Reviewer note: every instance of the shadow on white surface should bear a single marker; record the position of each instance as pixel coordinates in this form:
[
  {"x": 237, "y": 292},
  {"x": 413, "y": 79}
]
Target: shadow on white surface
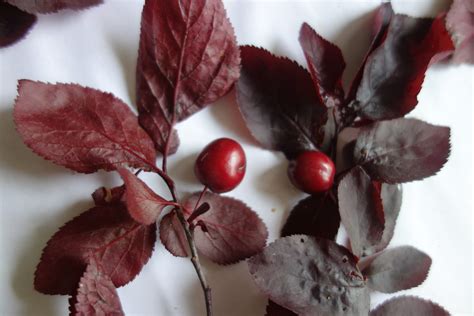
[{"x": 227, "y": 114}]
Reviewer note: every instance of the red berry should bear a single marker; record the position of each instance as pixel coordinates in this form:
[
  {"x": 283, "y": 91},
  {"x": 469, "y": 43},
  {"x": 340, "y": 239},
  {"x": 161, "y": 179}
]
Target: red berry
[
  {"x": 312, "y": 172},
  {"x": 221, "y": 165}
]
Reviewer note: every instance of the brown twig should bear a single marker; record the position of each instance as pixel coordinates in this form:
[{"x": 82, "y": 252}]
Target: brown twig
[{"x": 187, "y": 230}]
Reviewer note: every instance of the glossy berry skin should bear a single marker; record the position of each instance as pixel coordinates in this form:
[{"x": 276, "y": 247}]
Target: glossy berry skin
[
  {"x": 221, "y": 165},
  {"x": 312, "y": 172}
]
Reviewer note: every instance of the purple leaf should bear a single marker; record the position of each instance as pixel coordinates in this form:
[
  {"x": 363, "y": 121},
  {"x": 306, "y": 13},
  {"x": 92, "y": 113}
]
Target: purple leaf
[
  {"x": 273, "y": 309},
  {"x": 234, "y": 231},
  {"x": 14, "y": 24},
  {"x": 311, "y": 276},
  {"x": 397, "y": 269},
  {"x": 382, "y": 19},
  {"x": 279, "y": 104},
  {"x": 316, "y": 215},
  {"x": 172, "y": 235},
  {"x": 402, "y": 150},
  {"x": 96, "y": 294},
  {"x": 361, "y": 209},
  {"x": 120, "y": 245},
  {"x": 144, "y": 205},
  {"x": 391, "y": 195},
  {"x": 326, "y": 65},
  {"x": 459, "y": 22},
  {"x": 80, "y": 128},
  {"x": 409, "y": 306},
  {"x": 49, "y": 6},
  {"x": 395, "y": 71},
  {"x": 188, "y": 58}
]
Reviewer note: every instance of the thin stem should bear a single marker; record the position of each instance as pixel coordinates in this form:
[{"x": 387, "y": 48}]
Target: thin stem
[
  {"x": 188, "y": 232},
  {"x": 196, "y": 263}
]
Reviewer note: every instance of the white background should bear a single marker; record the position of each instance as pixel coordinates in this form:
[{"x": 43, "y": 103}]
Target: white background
[{"x": 98, "y": 48}]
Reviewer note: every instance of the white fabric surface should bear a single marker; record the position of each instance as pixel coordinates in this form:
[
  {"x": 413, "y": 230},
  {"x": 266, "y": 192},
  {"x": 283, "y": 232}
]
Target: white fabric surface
[{"x": 98, "y": 48}]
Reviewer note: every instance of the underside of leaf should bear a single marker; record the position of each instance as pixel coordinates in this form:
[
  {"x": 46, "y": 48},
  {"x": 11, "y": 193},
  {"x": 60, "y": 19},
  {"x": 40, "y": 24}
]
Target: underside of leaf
[{"x": 80, "y": 128}]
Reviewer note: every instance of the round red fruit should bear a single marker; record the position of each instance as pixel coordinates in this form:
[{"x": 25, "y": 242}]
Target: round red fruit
[
  {"x": 221, "y": 165},
  {"x": 312, "y": 172}
]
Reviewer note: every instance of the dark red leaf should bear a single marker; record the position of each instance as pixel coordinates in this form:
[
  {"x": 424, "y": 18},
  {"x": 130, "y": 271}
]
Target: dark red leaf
[
  {"x": 361, "y": 209},
  {"x": 395, "y": 71},
  {"x": 120, "y": 245},
  {"x": 273, "y": 309},
  {"x": 14, "y": 24},
  {"x": 459, "y": 22},
  {"x": 104, "y": 196},
  {"x": 188, "y": 57},
  {"x": 316, "y": 215},
  {"x": 234, "y": 230},
  {"x": 409, "y": 306},
  {"x": 96, "y": 294},
  {"x": 382, "y": 19},
  {"x": 397, "y": 269},
  {"x": 279, "y": 103},
  {"x": 172, "y": 235},
  {"x": 143, "y": 204},
  {"x": 311, "y": 276},
  {"x": 48, "y": 6},
  {"x": 326, "y": 65},
  {"x": 80, "y": 128},
  {"x": 402, "y": 150}
]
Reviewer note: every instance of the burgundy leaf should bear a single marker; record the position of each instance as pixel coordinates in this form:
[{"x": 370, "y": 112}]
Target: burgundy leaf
[
  {"x": 273, "y": 309},
  {"x": 172, "y": 235},
  {"x": 80, "y": 128},
  {"x": 326, "y": 65},
  {"x": 402, "y": 150},
  {"x": 234, "y": 231},
  {"x": 96, "y": 294},
  {"x": 361, "y": 209},
  {"x": 409, "y": 306},
  {"x": 103, "y": 196},
  {"x": 459, "y": 22},
  {"x": 397, "y": 269},
  {"x": 143, "y": 204},
  {"x": 395, "y": 71},
  {"x": 311, "y": 276},
  {"x": 188, "y": 58},
  {"x": 120, "y": 245},
  {"x": 279, "y": 103},
  {"x": 316, "y": 215},
  {"x": 14, "y": 24},
  {"x": 49, "y": 6},
  {"x": 382, "y": 19}
]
